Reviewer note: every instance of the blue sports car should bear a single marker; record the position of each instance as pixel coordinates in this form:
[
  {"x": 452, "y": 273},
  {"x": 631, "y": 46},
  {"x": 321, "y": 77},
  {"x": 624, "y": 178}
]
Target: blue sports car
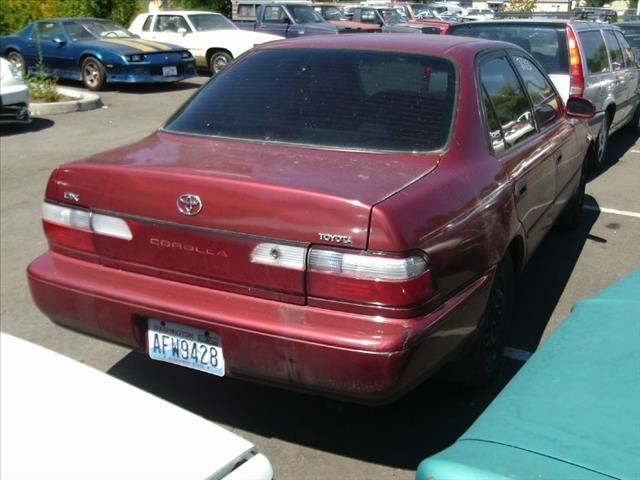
[{"x": 95, "y": 51}]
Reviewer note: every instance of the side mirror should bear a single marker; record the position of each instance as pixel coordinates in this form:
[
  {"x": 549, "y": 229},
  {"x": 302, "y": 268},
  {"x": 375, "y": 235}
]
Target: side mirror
[
  {"x": 182, "y": 31},
  {"x": 580, "y": 108},
  {"x": 286, "y": 21},
  {"x": 59, "y": 41}
]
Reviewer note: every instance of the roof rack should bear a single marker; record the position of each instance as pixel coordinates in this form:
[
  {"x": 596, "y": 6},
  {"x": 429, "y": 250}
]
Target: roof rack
[{"x": 590, "y": 14}]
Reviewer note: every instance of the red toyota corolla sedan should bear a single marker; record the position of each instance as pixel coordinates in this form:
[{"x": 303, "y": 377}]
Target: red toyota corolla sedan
[{"x": 340, "y": 215}]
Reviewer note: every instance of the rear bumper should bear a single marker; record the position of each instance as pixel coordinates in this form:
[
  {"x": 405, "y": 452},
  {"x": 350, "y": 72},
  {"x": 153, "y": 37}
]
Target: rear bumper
[{"x": 358, "y": 357}]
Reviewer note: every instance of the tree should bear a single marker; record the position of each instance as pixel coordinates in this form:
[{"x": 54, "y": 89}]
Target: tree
[
  {"x": 222, "y": 6},
  {"x": 521, "y": 5}
]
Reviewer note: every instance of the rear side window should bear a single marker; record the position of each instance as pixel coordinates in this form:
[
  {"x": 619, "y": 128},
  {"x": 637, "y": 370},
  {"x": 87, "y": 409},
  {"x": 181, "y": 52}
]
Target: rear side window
[
  {"x": 147, "y": 24},
  {"x": 615, "y": 52},
  {"x": 332, "y": 98},
  {"x": 545, "y": 102},
  {"x": 508, "y": 101},
  {"x": 547, "y": 44},
  {"x": 594, "y": 51}
]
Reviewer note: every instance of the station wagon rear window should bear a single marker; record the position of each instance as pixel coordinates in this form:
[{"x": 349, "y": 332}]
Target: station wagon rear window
[
  {"x": 329, "y": 98},
  {"x": 547, "y": 44}
]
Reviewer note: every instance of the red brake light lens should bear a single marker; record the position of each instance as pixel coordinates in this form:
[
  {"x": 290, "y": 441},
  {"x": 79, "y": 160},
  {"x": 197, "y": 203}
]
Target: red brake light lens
[
  {"x": 372, "y": 278},
  {"x": 576, "y": 82}
]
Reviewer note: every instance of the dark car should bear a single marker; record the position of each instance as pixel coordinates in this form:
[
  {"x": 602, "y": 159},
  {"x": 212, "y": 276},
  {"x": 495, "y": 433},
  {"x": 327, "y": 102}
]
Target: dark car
[
  {"x": 571, "y": 412},
  {"x": 345, "y": 241},
  {"x": 584, "y": 59},
  {"x": 631, "y": 32},
  {"x": 95, "y": 51}
]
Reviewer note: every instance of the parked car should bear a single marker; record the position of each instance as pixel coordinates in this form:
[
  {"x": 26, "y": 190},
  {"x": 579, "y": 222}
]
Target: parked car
[
  {"x": 210, "y": 37},
  {"x": 95, "y": 51},
  {"x": 94, "y": 426},
  {"x": 584, "y": 59},
  {"x": 14, "y": 95},
  {"x": 346, "y": 241},
  {"x": 389, "y": 19},
  {"x": 288, "y": 19},
  {"x": 333, "y": 14},
  {"x": 571, "y": 411},
  {"x": 422, "y": 14}
]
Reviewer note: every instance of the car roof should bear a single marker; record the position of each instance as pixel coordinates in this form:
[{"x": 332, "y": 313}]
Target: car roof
[
  {"x": 66, "y": 19},
  {"x": 401, "y": 42},
  {"x": 577, "y": 24},
  {"x": 577, "y": 399}
]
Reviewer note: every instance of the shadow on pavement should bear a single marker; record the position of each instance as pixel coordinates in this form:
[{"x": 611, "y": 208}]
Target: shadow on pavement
[
  {"x": 35, "y": 125},
  {"x": 619, "y": 144},
  {"x": 137, "y": 88},
  {"x": 399, "y": 435}
]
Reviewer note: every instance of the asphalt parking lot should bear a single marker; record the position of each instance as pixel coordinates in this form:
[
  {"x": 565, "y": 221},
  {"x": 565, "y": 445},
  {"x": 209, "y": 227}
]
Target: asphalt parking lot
[{"x": 304, "y": 436}]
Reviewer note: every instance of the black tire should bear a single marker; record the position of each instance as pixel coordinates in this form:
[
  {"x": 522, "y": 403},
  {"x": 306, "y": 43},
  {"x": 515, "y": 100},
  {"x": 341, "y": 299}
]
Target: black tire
[
  {"x": 93, "y": 73},
  {"x": 219, "y": 61},
  {"x": 481, "y": 363},
  {"x": 17, "y": 60},
  {"x": 572, "y": 214},
  {"x": 634, "y": 125},
  {"x": 601, "y": 145}
]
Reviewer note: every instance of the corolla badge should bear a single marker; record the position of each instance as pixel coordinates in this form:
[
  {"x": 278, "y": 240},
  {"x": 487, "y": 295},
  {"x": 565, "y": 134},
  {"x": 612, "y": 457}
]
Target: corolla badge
[{"x": 189, "y": 204}]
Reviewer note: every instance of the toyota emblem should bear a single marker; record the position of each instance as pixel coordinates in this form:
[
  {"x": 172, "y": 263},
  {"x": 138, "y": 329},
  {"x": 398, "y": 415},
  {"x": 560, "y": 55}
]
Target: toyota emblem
[{"x": 189, "y": 204}]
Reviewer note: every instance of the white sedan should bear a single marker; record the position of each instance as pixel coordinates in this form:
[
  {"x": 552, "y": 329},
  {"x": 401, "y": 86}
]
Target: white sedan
[
  {"x": 62, "y": 419},
  {"x": 210, "y": 37},
  {"x": 14, "y": 95}
]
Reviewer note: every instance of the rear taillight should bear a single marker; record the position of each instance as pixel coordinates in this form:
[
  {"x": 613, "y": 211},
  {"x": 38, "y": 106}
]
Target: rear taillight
[
  {"x": 74, "y": 227},
  {"x": 576, "y": 77},
  {"x": 371, "y": 278}
]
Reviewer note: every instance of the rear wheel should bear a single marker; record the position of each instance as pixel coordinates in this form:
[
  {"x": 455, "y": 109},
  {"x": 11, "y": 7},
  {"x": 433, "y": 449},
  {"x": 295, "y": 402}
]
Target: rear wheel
[
  {"x": 481, "y": 364},
  {"x": 601, "y": 144},
  {"x": 17, "y": 60},
  {"x": 218, "y": 62},
  {"x": 572, "y": 214},
  {"x": 93, "y": 73}
]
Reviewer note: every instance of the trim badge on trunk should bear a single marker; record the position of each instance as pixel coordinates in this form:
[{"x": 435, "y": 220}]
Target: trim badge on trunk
[{"x": 189, "y": 204}]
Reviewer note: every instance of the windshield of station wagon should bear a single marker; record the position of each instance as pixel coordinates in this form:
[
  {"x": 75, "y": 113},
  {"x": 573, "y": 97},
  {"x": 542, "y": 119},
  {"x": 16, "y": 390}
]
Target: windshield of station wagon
[{"x": 331, "y": 98}]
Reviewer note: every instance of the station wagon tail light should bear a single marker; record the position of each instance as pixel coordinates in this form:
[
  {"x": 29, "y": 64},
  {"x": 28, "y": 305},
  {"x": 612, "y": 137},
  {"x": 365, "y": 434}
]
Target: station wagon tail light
[
  {"x": 74, "y": 227},
  {"x": 576, "y": 82},
  {"x": 373, "y": 278}
]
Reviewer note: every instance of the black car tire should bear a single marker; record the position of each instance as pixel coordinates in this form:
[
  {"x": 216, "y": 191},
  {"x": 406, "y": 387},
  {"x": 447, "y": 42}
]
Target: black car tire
[
  {"x": 218, "y": 62},
  {"x": 17, "y": 60},
  {"x": 572, "y": 214},
  {"x": 601, "y": 146},
  {"x": 480, "y": 365},
  {"x": 93, "y": 73}
]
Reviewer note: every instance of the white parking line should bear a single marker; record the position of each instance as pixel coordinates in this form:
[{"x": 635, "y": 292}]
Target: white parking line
[
  {"x": 516, "y": 354},
  {"x": 612, "y": 210}
]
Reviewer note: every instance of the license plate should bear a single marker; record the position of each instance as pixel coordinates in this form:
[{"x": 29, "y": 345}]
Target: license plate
[
  {"x": 169, "y": 71},
  {"x": 186, "y": 346}
]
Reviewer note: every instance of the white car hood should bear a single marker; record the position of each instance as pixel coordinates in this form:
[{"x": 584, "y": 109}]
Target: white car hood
[{"x": 62, "y": 419}]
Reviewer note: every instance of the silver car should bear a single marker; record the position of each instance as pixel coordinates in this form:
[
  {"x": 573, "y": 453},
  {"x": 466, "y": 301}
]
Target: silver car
[{"x": 584, "y": 59}]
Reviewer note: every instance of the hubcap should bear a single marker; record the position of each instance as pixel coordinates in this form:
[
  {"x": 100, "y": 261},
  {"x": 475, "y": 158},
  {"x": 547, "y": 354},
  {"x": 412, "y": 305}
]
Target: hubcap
[
  {"x": 16, "y": 61},
  {"x": 91, "y": 74},
  {"x": 219, "y": 63}
]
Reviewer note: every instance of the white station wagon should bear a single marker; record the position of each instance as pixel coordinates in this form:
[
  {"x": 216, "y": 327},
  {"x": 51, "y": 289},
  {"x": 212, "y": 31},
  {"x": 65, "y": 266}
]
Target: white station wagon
[{"x": 210, "y": 37}]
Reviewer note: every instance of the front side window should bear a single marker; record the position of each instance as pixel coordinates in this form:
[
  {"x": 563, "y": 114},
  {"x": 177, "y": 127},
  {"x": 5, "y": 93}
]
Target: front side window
[
  {"x": 386, "y": 101},
  {"x": 615, "y": 52},
  {"x": 368, "y": 16},
  {"x": 170, "y": 23},
  {"x": 509, "y": 101},
  {"x": 546, "y": 107},
  {"x": 629, "y": 57},
  {"x": 594, "y": 51},
  {"x": 275, "y": 15}
]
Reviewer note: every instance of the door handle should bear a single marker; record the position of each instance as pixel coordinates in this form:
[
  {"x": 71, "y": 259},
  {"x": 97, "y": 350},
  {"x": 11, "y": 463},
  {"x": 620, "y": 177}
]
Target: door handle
[
  {"x": 521, "y": 188},
  {"x": 558, "y": 158}
]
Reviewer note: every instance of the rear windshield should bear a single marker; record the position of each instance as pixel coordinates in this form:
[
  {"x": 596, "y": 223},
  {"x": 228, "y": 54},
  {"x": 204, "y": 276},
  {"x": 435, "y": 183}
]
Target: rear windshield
[
  {"x": 330, "y": 98},
  {"x": 548, "y": 44}
]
